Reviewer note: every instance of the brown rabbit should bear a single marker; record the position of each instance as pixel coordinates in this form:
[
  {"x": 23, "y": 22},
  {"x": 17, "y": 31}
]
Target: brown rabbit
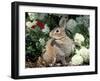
[
  {"x": 63, "y": 44},
  {"x": 59, "y": 46}
]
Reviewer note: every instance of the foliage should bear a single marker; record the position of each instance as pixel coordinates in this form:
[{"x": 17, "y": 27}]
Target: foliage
[{"x": 33, "y": 45}]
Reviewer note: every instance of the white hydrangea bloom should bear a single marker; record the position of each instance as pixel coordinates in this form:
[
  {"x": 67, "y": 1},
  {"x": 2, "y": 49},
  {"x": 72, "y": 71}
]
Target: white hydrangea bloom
[
  {"x": 78, "y": 38},
  {"x": 76, "y": 60},
  {"x": 46, "y": 29},
  {"x": 33, "y": 16},
  {"x": 42, "y": 41},
  {"x": 28, "y": 24},
  {"x": 71, "y": 24},
  {"x": 84, "y": 52}
]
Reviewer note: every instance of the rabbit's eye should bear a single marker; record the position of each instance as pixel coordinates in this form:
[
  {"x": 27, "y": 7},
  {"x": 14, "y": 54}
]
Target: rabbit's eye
[{"x": 57, "y": 31}]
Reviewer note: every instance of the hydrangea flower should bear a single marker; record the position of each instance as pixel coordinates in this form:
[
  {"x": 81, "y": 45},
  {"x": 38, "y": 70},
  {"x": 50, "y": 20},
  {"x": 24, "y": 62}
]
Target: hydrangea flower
[
  {"x": 46, "y": 29},
  {"x": 29, "y": 24},
  {"x": 79, "y": 38},
  {"x": 84, "y": 52},
  {"x": 42, "y": 41},
  {"x": 76, "y": 60}
]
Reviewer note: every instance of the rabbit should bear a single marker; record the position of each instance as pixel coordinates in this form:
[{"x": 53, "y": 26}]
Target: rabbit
[
  {"x": 59, "y": 46},
  {"x": 63, "y": 45}
]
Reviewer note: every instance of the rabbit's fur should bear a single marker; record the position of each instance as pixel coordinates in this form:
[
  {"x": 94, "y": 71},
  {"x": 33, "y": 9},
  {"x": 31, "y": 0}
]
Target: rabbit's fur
[
  {"x": 48, "y": 58},
  {"x": 63, "y": 44}
]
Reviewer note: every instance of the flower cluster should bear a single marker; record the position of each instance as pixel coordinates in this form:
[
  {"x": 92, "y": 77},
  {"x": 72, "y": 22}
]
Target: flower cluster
[
  {"x": 84, "y": 52},
  {"x": 35, "y": 22},
  {"x": 82, "y": 55},
  {"x": 78, "y": 38},
  {"x": 76, "y": 60}
]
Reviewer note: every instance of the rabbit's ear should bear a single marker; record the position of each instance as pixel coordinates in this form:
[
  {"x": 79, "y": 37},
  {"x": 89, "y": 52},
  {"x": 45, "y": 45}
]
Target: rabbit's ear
[{"x": 63, "y": 21}]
